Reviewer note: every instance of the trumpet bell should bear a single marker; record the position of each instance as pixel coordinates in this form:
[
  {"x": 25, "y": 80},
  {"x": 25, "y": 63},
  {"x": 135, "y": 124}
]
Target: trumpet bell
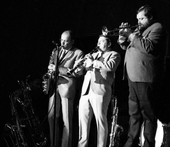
[{"x": 107, "y": 32}]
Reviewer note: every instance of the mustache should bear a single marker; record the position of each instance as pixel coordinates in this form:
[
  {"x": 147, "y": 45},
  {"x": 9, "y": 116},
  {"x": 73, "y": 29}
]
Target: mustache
[{"x": 140, "y": 25}]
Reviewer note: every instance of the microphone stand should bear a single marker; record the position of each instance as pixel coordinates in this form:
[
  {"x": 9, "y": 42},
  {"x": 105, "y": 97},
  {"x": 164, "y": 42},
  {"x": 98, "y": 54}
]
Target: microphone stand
[{"x": 55, "y": 97}]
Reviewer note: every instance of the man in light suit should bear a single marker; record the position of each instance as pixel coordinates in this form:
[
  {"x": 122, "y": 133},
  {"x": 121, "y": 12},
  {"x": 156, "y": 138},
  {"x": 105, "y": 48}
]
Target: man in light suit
[
  {"x": 62, "y": 60},
  {"x": 97, "y": 91},
  {"x": 144, "y": 61}
]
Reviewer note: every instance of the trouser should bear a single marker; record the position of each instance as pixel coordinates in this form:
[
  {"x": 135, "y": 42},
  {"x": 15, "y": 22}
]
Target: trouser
[
  {"x": 66, "y": 105},
  {"x": 88, "y": 105},
  {"x": 142, "y": 100}
]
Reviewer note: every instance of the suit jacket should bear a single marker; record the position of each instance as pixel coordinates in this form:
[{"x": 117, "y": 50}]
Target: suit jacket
[
  {"x": 144, "y": 58},
  {"x": 66, "y": 59},
  {"x": 100, "y": 78}
]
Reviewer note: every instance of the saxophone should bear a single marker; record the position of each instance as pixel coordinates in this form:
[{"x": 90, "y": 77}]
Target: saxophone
[
  {"x": 26, "y": 131},
  {"x": 16, "y": 130},
  {"x": 32, "y": 122},
  {"x": 116, "y": 130},
  {"x": 48, "y": 78}
]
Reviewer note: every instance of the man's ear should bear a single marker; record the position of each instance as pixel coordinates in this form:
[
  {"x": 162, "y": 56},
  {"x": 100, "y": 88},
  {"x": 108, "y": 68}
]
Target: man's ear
[{"x": 109, "y": 45}]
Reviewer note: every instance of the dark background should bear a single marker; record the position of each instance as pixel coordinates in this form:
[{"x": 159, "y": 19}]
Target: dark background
[{"x": 27, "y": 28}]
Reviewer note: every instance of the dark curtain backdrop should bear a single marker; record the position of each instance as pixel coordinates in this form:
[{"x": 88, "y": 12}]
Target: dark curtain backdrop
[{"x": 27, "y": 28}]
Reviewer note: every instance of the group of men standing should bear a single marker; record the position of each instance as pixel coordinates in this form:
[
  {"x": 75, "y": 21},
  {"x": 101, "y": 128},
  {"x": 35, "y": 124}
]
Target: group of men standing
[{"x": 144, "y": 68}]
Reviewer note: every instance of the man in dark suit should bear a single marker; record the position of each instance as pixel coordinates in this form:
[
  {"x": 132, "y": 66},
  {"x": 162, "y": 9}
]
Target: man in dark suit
[
  {"x": 62, "y": 60},
  {"x": 144, "y": 61}
]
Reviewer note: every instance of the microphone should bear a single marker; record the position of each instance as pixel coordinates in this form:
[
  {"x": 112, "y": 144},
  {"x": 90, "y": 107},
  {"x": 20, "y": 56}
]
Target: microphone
[
  {"x": 54, "y": 42},
  {"x": 57, "y": 45}
]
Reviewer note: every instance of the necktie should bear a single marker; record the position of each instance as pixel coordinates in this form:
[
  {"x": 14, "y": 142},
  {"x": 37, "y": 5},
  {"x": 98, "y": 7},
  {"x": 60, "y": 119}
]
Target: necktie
[{"x": 99, "y": 54}]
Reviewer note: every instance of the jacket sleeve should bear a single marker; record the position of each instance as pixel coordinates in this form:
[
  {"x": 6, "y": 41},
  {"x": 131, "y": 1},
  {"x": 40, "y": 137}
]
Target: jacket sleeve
[
  {"x": 78, "y": 69},
  {"x": 108, "y": 64}
]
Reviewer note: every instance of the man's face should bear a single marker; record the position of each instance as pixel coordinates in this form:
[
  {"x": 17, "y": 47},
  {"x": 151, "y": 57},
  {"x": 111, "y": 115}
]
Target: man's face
[
  {"x": 143, "y": 21},
  {"x": 102, "y": 43},
  {"x": 66, "y": 41}
]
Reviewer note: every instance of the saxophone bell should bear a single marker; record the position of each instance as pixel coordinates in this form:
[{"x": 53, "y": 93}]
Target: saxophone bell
[{"x": 116, "y": 130}]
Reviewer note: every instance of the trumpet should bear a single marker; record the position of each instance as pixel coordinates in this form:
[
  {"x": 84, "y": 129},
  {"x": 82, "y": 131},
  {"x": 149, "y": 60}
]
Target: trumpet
[{"x": 116, "y": 31}]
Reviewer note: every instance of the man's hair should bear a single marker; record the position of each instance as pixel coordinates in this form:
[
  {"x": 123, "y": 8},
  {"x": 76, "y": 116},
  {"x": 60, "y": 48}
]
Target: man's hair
[
  {"x": 71, "y": 33},
  {"x": 107, "y": 37},
  {"x": 149, "y": 11}
]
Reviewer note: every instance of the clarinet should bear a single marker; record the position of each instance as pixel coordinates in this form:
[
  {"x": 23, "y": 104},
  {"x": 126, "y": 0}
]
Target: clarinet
[
  {"x": 116, "y": 130},
  {"x": 80, "y": 64}
]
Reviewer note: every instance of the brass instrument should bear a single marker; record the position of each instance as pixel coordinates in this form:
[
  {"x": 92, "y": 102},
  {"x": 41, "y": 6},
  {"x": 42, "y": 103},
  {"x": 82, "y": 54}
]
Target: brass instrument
[
  {"x": 48, "y": 78},
  {"x": 166, "y": 129},
  {"x": 116, "y": 130},
  {"x": 17, "y": 129},
  {"x": 25, "y": 131},
  {"x": 116, "y": 31},
  {"x": 32, "y": 122}
]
